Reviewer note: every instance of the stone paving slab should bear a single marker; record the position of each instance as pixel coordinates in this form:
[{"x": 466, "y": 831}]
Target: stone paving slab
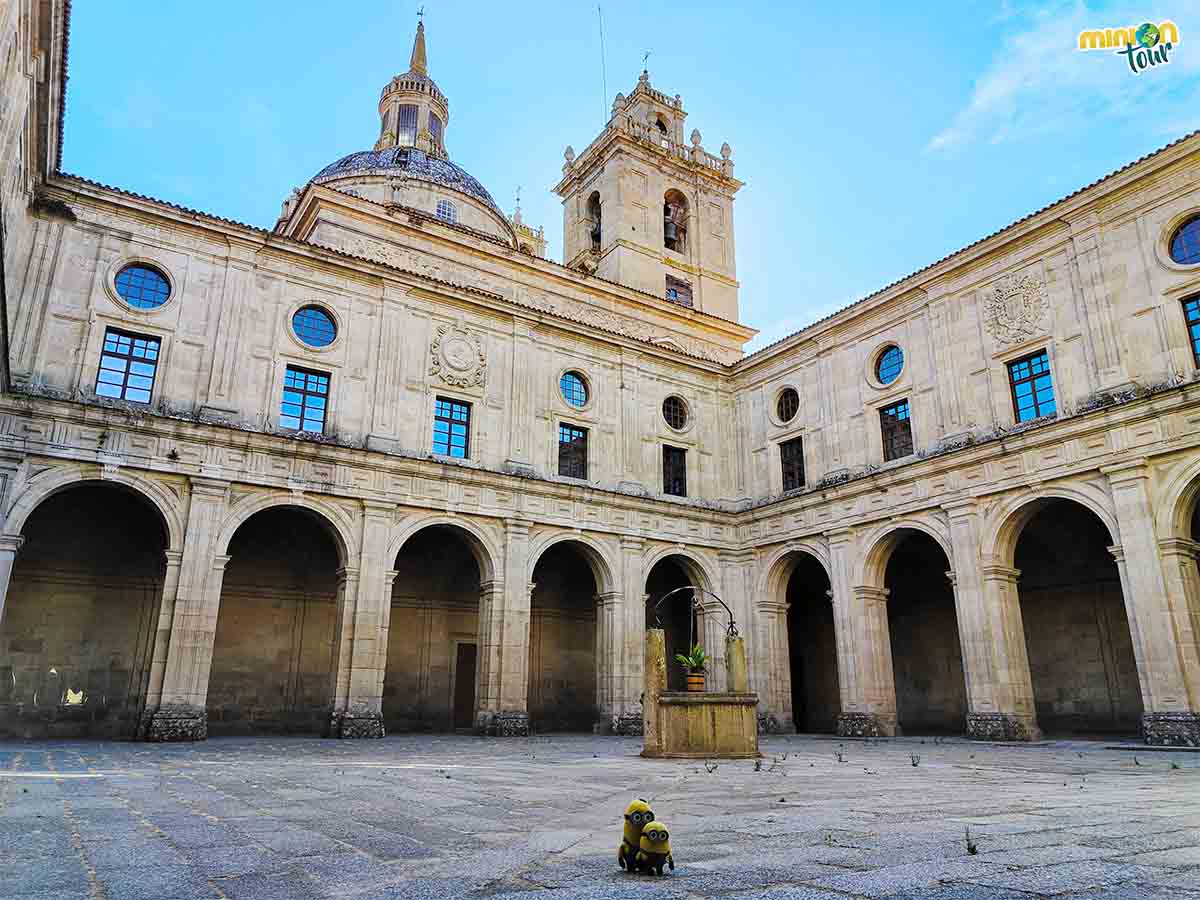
[{"x": 433, "y": 817}]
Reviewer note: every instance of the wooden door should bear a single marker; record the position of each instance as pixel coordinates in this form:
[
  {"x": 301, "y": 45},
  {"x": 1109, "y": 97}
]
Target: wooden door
[{"x": 464, "y": 686}]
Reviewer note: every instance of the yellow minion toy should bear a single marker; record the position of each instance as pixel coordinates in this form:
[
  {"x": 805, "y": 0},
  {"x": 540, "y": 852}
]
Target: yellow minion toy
[
  {"x": 655, "y": 849},
  {"x": 637, "y": 815}
]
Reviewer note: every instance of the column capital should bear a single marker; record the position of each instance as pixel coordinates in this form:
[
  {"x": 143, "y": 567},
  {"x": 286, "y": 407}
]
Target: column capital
[
  {"x": 347, "y": 573},
  {"x": 631, "y": 542},
  {"x": 967, "y": 506},
  {"x": 11, "y": 542},
  {"x": 490, "y": 587},
  {"x": 870, "y": 593},
  {"x": 378, "y": 508},
  {"x": 608, "y": 599},
  {"x": 771, "y": 607},
  {"x": 995, "y": 572},
  {"x": 517, "y": 527},
  {"x": 1118, "y": 553},
  {"x": 205, "y": 486},
  {"x": 736, "y": 557},
  {"x": 952, "y": 578},
  {"x": 840, "y": 536},
  {"x": 219, "y": 562},
  {"x": 1130, "y": 470},
  {"x": 389, "y": 578},
  {"x": 173, "y": 557},
  {"x": 1179, "y": 547}
]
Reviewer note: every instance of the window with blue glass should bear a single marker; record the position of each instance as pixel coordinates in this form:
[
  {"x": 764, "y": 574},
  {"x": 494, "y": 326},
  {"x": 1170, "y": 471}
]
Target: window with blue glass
[
  {"x": 1191, "y": 311},
  {"x": 452, "y": 428},
  {"x": 143, "y": 287},
  {"x": 574, "y": 389},
  {"x": 889, "y": 364},
  {"x": 127, "y": 366},
  {"x": 305, "y": 400},
  {"x": 314, "y": 326},
  {"x": 1185, "y": 242},
  {"x": 1032, "y": 387},
  {"x": 895, "y": 425}
]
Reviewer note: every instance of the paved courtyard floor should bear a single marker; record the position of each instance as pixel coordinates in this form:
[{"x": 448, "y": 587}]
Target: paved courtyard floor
[{"x": 538, "y": 819}]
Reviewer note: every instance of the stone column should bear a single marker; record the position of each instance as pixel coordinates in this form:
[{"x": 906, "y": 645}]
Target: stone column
[
  {"x": 772, "y": 672},
  {"x": 1180, "y": 558},
  {"x": 181, "y": 714},
  {"x": 865, "y": 677},
  {"x": 9, "y": 545},
  {"x": 655, "y": 666},
  {"x": 628, "y": 652},
  {"x": 735, "y": 665},
  {"x": 1170, "y": 692},
  {"x": 990, "y": 715},
  {"x": 364, "y": 606},
  {"x": 737, "y": 572},
  {"x": 162, "y": 633},
  {"x": 608, "y": 659},
  {"x": 1013, "y": 680},
  {"x": 505, "y": 645}
]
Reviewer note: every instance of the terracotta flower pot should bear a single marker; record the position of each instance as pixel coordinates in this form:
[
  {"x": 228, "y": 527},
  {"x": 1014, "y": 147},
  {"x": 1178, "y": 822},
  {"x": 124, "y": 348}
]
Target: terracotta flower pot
[{"x": 696, "y": 682}]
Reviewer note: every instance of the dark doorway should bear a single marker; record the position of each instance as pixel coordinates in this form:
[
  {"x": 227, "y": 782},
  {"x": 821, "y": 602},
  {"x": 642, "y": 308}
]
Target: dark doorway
[
  {"x": 812, "y": 648},
  {"x": 678, "y": 618},
  {"x": 464, "y": 687},
  {"x": 1077, "y": 636},
  {"x": 931, "y": 692},
  {"x": 562, "y": 642}
]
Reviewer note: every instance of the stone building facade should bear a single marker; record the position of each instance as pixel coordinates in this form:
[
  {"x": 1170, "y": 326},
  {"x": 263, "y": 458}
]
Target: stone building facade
[{"x": 385, "y": 466}]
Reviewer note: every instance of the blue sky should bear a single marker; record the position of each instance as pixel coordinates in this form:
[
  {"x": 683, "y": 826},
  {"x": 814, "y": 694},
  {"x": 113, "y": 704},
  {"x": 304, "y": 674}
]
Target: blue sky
[{"x": 872, "y": 140}]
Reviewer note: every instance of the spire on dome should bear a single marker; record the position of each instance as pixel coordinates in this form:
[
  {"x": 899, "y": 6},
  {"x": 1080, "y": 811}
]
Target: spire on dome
[{"x": 418, "y": 63}]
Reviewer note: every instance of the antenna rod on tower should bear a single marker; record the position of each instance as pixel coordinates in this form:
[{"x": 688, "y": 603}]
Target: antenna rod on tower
[{"x": 603, "y": 67}]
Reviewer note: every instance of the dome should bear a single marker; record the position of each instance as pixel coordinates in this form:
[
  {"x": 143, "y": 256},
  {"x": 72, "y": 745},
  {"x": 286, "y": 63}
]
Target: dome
[{"x": 408, "y": 162}]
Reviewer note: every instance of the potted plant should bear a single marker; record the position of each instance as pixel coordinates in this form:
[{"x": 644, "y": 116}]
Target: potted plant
[{"x": 695, "y": 662}]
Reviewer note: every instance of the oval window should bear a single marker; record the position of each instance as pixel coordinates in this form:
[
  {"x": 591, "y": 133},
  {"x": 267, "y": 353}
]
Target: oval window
[
  {"x": 574, "y": 389},
  {"x": 143, "y": 287},
  {"x": 788, "y": 404},
  {"x": 314, "y": 326},
  {"x": 1185, "y": 242},
  {"x": 889, "y": 364},
  {"x": 675, "y": 412}
]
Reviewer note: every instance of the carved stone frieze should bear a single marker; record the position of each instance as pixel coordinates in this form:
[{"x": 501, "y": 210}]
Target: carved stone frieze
[{"x": 1015, "y": 308}]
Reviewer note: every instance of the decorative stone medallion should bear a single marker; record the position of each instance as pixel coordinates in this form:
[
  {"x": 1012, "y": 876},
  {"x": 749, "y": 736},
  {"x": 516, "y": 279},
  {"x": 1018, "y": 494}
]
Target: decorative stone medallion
[
  {"x": 1014, "y": 308},
  {"x": 458, "y": 358}
]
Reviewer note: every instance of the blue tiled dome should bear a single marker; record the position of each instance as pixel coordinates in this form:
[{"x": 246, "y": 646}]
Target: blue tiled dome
[{"x": 413, "y": 163}]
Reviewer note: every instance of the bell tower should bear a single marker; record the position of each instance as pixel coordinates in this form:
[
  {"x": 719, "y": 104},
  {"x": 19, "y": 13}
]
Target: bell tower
[{"x": 645, "y": 209}]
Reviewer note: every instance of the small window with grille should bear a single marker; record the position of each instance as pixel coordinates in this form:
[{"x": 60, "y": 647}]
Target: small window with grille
[
  {"x": 452, "y": 428},
  {"x": 435, "y": 131},
  {"x": 447, "y": 211},
  {"x": 1032, "y": 387},
  {"x": 674, "y": 471},
  {"x": 895, "y": 423},
  {"x": 406, "y": 125},
  {"x": 128, "y": 365},
  {"x": 787, "y": 405},
  {"x": 791, "y": 458},
  {"x": 305, "y": 400},
  {"x": 679, "y": 291},
  {"x": 572, "y": 451}
]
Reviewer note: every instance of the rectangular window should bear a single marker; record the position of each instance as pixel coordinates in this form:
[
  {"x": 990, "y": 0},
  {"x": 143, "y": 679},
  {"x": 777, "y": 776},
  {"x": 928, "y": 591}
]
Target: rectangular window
[
  {"x": 452, "y": 428},
  {"x": 127, "y": 366},
  {"x": 1191, "y": 309},
  {"x": 791, "y": 457},
  {"x": 1032, "y": 388},
  {"x": 679, "y": 291},
  {"x": 896, "y": 426},
  {"x": 674, "y": 471},
  {"x": 305, "y": 397},
  {"x": 406, "y": 125},
  {"x": 572, "y": 451},
  {"x": 435, "y": 130}
]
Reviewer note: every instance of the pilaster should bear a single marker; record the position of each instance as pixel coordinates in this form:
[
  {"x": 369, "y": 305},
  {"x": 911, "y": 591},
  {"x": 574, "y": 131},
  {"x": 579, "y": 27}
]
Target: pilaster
[
  {"x": 10, "y": 544},
  {"x": 628, "y": 652},
  {"x": 503, "y": 697}
]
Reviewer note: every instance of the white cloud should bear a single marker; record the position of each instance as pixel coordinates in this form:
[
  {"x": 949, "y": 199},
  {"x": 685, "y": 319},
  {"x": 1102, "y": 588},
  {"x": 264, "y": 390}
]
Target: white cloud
[{"x": 1038, "y": 82}]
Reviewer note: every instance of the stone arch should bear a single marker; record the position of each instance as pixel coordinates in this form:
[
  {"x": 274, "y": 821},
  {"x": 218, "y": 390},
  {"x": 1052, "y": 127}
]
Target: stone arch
[
  {"x": 1176, "y": 502},
  {"x": 335, "y": 519},
  {"x": 597, "y": 555},
  {"x": 53, "y": 481},
  {"x": 777, "y": 568},
  {"x": 1003, "y": 527},
  {"x": 881, "y": 543},
  {"x": 483, "y": 544},
  {"x": 695, "y": 564}
]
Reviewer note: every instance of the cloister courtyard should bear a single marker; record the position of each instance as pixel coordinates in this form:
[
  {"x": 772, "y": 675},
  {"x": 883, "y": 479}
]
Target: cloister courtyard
[{"x": 429, "y": 817}]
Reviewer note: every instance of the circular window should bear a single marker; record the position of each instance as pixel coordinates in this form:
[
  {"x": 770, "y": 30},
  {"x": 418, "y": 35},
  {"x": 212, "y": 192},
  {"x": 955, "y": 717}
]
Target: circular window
[
  {"x": 574, "y": 389},
  {"x": 143, "y": 287},
  {"x": 1185, "y": 242},
  {"x": 889, "y": 364},
  {"x": 787, "y": 405},
  {"x": 314, "y": 326},
  {"x": 675, "y": 412}
]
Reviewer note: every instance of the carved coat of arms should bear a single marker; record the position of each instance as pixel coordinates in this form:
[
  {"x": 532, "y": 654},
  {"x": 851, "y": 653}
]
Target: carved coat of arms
[
  {"x": 1014, "y": 308},
  {"x": 458, "y": 357}
]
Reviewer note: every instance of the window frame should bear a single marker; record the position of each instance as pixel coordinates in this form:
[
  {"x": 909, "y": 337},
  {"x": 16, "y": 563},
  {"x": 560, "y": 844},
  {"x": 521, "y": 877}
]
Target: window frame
[
  {"x": 889, "y": 414},
  {"x": 793, "y": 466},
  {"x": 1193, "y": 219},
  {"x": 573, "y": 452},
  {"x": 451, "y": 423},
  {"x": 452, "y": 218},
  {"x": 686, "y": 411},
  {"x": 577, "y": 375},
  {"x": 786, "y": 391},
  {"x": 327, "y": 313},
  {"x": 1031, "y": 379},
  {"x": 305, "y": 392},
  {"x": 1193, "y": 335},
  {"x": 676, "y": 457},
  {"x": 877, "y": 368},
  {"x": 130, "y": 360},
  {"x": 416, "y": 112}
]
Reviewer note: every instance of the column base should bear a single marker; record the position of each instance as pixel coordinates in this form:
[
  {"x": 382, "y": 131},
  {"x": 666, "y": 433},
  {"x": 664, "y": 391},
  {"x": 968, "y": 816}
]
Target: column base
[
  {"x": 629, "y": 724},
  {"x": 1168, "y": 729},
  {"x": 768, "y": 724},
  {"x": 503, "y": 724},
  {"x": 175, "y": 722},
  {"x": 1002, "y": 727},
  {"x": 356, "y": 725},
  {"x": 856, "y": 724}
]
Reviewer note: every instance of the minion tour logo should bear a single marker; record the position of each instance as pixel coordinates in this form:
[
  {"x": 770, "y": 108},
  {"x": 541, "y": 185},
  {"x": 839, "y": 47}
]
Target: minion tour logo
[{"x": 1143, "y": 46}]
